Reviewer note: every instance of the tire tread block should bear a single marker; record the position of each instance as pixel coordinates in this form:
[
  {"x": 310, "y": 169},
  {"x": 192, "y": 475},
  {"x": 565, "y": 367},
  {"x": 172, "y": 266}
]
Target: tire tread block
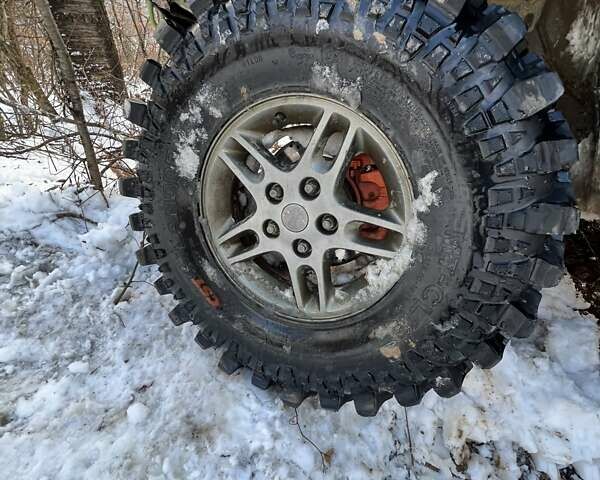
[
  {"x": 449, "y": 383},
  {"x": 367, "y": 404},
  {"x": 136, "y": 111},
  {"x": 229, "y": 362},
  {"x": 181, "y": 314},
  {"x": 488, "y": 353},
  {"x": 528, "y": 97},
  {"x": 148, "y": 255},
  {"x": 136, "y": 221},
  {"x": 408, "y": 395},
  {"x": 205, "y": 341},
  {"x": 503, "y": 36},
  {"x": 130, "y": 148},
  {"x": 167, "y": 37},
  {"x": 163, "y": 285},
  {"x": 260, "y": 380},
  {"x": 130, "y": 187}
]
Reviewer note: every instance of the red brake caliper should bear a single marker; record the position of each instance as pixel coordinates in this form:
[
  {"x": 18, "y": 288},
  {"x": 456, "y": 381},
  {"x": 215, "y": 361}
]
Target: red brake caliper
[{"x": 369, "y": 191}]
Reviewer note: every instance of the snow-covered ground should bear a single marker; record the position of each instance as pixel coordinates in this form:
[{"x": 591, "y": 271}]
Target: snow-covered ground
[{"x": 93, "y": 390}]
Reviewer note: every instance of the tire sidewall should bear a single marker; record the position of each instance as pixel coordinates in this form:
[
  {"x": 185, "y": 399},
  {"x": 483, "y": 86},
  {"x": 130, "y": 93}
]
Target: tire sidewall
[{"x": 283, "y": 61}]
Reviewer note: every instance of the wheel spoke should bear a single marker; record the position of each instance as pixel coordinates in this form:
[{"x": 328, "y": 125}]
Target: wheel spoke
[
  {"x": 298, "y": 280},
  {"x": 368, "y": 248},
  {"x": 341, "y": 160},
  {"x": 309, "y": 152},
  {"x": 379, "y": 219},
  {"x": 324, "y": 284},
  {"x": 249, "y": 253},
  {"x": 248, "y": 224},
  {"x": 249, "y": 180},
  {"x": 269, "y": 169}
]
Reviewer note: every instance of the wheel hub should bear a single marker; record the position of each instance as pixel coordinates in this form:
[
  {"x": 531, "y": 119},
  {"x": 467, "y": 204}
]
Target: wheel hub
[
  {"x": 297, "y": 232},
  {"x": 294, "y": 217}
]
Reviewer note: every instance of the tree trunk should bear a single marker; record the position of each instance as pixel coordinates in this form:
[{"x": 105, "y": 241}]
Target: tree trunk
[
  {"x": 88, "y": 37},
  {"x": 74, "y": 99}
]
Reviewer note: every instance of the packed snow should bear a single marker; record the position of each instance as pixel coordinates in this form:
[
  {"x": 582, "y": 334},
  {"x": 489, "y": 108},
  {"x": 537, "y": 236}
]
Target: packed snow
[
  {"x": 93, "y": 390},
  {"x": 382, "y": 274},
  {"x": 207, "y": 100},
  {"x": 322, "y": 25}
]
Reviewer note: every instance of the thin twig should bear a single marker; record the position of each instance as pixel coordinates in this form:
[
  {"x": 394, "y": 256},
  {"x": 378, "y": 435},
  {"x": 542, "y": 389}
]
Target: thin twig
[
  {"x": 97, "y": 191},
  {"x": 79, "y": 216},
  {"x": 127, "y": 284},
  {"x": 119, "y": 317},
  {"x": 115, "y": 165},
  {"x": 588, "y": 243},
  {"x": 432, "y": 467},
  {"x": 410, "y": 445},
  {"x": 295, "y": 420}
]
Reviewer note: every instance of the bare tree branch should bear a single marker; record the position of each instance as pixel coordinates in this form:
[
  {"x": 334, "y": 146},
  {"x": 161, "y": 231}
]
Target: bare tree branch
[
  {"x": 10, "y": 52},
  {"x": 62, "y": 119},
  {"x": 38, "y": 146}
]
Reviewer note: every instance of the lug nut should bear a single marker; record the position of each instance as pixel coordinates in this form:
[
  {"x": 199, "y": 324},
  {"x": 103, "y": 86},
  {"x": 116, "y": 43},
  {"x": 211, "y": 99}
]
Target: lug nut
[
  {"x": 302, "y": 248},
  {"x": 311, "y": 187},
  {"x": 275, "y": 192},
  {"x": 328, "y": 223},
  {"x": 271, "y": 229}
]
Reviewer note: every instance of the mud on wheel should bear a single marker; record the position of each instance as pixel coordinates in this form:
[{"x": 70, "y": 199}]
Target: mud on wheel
[{"x": 355, "y": 200}]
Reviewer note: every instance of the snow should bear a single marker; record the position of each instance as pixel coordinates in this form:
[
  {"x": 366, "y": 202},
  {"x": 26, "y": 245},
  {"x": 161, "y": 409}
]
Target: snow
[
  {"x": 137, "y": 413},
  {"x": 382, "y": 274},
  {"x": 93, "y": 390},
  {"x": 79, "y": 367},
  {"x": 187, "y": 161},
  {"x": 208, "y": 99},
  {"x": 327, "y": 78},
  {"x": 252, "y": 274},
  {"x": 322, "y": 25},
  {"x": 5, "y": 267},
  {"x": 584, "y": 37}
]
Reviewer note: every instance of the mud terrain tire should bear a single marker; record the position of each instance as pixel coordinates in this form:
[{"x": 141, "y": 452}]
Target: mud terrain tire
[{"x": 503, "y": 154}]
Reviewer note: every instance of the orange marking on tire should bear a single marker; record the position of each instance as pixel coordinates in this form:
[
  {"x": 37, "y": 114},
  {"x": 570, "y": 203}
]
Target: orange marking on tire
[{"x": 207, "y": 292}]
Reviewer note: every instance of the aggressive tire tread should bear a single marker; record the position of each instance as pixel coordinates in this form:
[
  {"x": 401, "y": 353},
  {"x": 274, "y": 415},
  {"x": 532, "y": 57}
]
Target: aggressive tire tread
[{"x": 473, "y": 58}]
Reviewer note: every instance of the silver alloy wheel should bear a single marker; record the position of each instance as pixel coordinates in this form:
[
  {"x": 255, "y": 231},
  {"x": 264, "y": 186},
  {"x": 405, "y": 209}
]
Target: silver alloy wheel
[{"x": 273, "y": 194}]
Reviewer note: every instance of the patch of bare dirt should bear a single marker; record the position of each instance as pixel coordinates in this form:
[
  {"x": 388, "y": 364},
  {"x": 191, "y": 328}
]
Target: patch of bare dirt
[{"x": 582, "y": 257}]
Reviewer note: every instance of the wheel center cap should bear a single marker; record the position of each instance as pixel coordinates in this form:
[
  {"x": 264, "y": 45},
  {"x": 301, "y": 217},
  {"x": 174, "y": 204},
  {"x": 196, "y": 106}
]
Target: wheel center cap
[{"x": 294, "y": 217}]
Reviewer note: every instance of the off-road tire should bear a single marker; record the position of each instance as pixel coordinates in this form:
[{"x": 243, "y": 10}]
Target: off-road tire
[{"x": 469, "y": 65}]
